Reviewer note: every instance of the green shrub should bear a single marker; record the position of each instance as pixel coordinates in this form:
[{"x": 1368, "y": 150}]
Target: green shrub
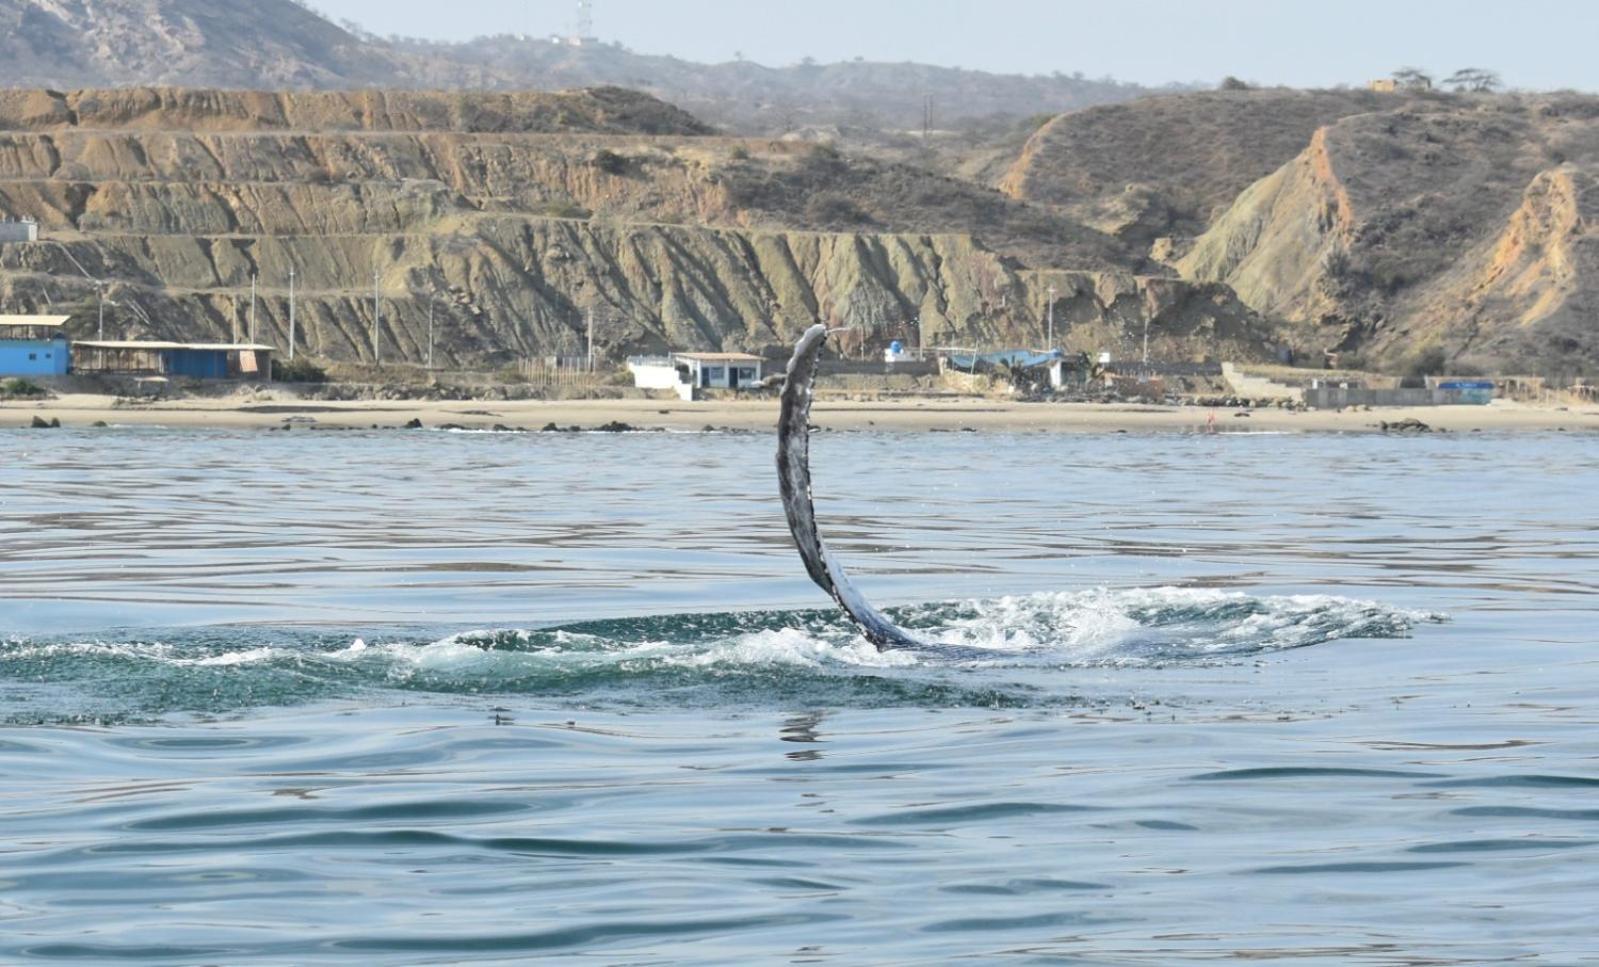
[
  {"x": 18, "y": 387},
  {"x": 609, "y": 162},
  {"x": 301, "y": 370},
  {"x": 1431, "y": 361},
  {"x": 563, "y": 209}
]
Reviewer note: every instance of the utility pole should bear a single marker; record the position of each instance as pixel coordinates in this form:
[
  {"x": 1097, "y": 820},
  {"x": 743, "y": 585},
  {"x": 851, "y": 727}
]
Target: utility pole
[
  {"x": 433, "y": 301},
  {"x": 1146, "y": 341},
  {"x": 99, "y": 290},
  {"x": 591, "y": 339},
  {"x": 377, "y": 322},
  {"x": 1051, "y": 336},
  {"x": 291, "y": 313},
  {"x": 252, "y": 308}
]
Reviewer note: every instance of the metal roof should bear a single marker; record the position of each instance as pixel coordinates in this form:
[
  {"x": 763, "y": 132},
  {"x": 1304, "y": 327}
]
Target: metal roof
[
  {"x": 53, "y": 322},
  {"x": 720, "y": 357},
  {"x": 200, "y": 346}
]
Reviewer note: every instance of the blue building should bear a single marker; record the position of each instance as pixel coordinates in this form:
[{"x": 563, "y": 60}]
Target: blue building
[{"x": 34, "y": 346}]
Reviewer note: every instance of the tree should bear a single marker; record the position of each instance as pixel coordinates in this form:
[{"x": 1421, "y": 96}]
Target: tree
[
  {"x": 1478, "y": 80},
  {"x": 1412, "y": 79},
  {"x": 1231, "y": 83}
]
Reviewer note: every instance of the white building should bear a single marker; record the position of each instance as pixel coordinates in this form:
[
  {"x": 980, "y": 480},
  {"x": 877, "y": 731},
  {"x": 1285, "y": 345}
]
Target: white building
[
  {"x": 720, "y": 370},
  {"x": 686, "y": 372},
  {"x": 25, "y": 230}
]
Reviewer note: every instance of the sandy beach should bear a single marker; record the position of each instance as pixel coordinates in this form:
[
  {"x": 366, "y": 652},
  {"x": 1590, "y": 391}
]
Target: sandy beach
[{"x": 278, "y": 410}]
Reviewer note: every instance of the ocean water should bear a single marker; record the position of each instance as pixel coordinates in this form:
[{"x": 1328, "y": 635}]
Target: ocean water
[{"x": 431, "y": 697}]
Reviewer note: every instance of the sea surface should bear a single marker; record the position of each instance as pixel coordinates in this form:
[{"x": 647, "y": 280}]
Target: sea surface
[{"x": 432, "y": 698}]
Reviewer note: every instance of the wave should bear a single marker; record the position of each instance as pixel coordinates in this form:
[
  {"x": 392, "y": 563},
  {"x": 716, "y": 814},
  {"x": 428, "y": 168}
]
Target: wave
[{"x": 989, "y": 652}]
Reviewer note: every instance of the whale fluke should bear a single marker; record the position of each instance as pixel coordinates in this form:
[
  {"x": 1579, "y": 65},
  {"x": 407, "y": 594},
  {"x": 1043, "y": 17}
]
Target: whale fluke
[{"x": 794, "y": 480}]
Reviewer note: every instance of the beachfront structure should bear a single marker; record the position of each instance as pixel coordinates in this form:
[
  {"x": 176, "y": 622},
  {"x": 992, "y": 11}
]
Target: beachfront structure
[
  {"x": 23, "y": 230},
  {"x": 190, "y": 360},
  {"x": 34, "y": 346},
  {"x": 686, "y": 372},
  {"x": 721, "y": 370}
]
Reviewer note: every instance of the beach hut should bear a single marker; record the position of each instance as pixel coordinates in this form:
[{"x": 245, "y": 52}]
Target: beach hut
[
  {"x": 720, "y": 370},
  {"x": 187, "y": 360},
  {"x": 34, "y": 346}
]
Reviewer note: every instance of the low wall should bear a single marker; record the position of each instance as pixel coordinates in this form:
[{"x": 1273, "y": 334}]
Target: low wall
[{"x": 1334, "y": 397}]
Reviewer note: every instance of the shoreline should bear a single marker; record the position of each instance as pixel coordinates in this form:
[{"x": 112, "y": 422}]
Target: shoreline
[{"x": 271, "y": 411}]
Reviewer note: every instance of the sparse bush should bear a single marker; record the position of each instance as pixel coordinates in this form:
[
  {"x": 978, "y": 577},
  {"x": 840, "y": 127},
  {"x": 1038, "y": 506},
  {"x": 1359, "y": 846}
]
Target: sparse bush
[
  {"x": 610, "y": 162},
  {"x": 829, "y": 208},
  {"x": 18, "y": 388},
  {"x": 1231, "y": 83},
  {"x": 563, "y": 209},
  {"x": 740, "y": 153},
  {"x": 1432, "y": 361},
  {"x": 301, "y": 370}
]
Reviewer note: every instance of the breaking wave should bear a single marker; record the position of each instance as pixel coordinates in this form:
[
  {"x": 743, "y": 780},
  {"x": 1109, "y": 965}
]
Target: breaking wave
[{"x": 986, "y": 653}]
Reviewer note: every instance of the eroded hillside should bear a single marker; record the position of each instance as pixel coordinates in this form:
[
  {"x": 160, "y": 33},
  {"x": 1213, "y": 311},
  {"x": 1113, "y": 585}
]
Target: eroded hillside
[
  {"x": 1167, "y": 166},
  {"x": 510, "y": 218},
  {"x": 1460, "y": 227}
]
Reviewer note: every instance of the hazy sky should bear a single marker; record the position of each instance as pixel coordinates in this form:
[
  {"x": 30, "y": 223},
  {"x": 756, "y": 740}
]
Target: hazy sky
[{"x": 1533, "y": 43}]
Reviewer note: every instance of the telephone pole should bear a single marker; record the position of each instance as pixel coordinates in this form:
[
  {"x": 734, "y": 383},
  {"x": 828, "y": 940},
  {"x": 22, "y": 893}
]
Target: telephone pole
[
  {"x": 591, "y": 339},
  {"x": 252, "y": 308},
  {"x": 1050, "y": 342},
  {"x": 291, "y": 313},
  {"x": 377, "y": 322}
]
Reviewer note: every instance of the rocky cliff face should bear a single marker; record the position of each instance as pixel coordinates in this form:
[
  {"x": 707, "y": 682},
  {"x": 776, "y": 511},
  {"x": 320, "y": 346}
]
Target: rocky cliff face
[
  {"x": 509, "y": 219},
  {"x": 1457, "y": 227}
]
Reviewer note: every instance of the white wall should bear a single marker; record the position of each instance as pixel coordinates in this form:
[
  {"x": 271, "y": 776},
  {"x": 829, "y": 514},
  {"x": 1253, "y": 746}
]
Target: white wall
[{"x": 654, "y": 377}]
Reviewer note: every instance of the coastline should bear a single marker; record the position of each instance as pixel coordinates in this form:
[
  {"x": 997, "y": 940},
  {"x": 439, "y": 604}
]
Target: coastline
[{"x": 274, "y": 411}]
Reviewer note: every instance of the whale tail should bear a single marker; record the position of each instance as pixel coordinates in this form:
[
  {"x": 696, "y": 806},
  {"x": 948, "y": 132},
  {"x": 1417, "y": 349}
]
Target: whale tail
[{"x": 794, "y": 482}]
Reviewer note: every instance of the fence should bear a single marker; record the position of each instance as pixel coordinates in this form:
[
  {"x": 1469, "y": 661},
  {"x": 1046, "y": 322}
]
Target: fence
[
  {"x": 564, "y": 373},
  {"x": 1475, "y": 393}
]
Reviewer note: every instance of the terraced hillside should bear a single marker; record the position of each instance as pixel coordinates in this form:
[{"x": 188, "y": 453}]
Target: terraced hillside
[{"x": 510, "y": 218}]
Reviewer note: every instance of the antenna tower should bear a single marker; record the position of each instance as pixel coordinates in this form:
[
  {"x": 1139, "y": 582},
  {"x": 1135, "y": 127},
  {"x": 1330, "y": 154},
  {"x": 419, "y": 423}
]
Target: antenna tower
[{"x": 585, "y": 19}]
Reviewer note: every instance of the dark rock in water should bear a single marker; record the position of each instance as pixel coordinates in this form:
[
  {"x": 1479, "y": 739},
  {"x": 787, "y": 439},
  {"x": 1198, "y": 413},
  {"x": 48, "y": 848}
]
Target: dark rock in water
[
  {"x": 100, "y": 423},
  {"x": 708, "y": 429},
  {"x": 550, "y": 428},
  {"x": 39, "y": 424},
  {"x": 414, "y": 425},
  {"x": 1408, "y": 425},
  {"x": 615, "y": 427},
  {"x": 502, "y": 428},
  {"x": 452, "y": 426}
]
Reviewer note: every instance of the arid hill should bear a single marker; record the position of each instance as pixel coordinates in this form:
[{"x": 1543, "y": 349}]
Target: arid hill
[
  {"x": 1416, "y": 231},
  {"x": 1167, "y": 166},
  {"x": 1455, "y": 229},
  {"x": 510, "y": 218},
  {"x": 281, "y": 44}
]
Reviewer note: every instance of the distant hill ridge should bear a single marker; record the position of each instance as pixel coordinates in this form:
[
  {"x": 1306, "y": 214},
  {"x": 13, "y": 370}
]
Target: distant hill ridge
[{"x": 280, "y": 44}]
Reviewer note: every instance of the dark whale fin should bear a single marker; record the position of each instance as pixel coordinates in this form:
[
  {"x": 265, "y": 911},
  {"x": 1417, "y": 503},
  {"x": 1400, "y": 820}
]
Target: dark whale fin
[{"x": 794, "y": 480}]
